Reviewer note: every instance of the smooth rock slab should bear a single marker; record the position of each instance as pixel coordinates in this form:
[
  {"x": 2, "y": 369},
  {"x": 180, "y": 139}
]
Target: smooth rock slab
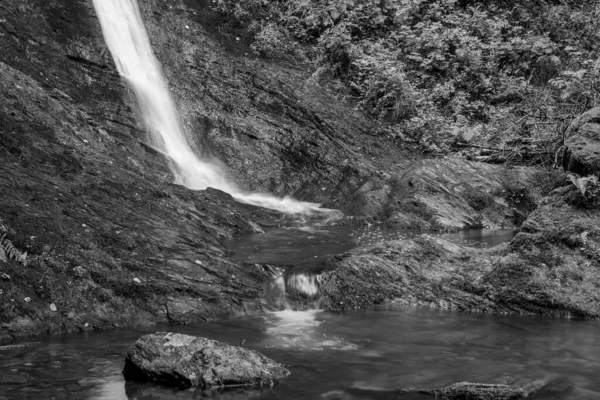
[{"x": 189, "y": 361}]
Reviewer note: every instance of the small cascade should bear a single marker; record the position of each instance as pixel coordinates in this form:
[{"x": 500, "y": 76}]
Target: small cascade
[
  {"x": 294, "y": 291},
  {"x": 295, "y": 322},
  {"x": 127, "y": 39}
]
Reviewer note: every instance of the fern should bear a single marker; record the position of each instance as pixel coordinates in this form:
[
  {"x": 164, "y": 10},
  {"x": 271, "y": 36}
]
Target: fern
[
  {"x": 584, "y": 184},
  {"x": 9, "y": 252}
]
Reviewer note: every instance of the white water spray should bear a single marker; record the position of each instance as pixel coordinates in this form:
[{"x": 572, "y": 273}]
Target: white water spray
[{"x": 126, "y": 37}]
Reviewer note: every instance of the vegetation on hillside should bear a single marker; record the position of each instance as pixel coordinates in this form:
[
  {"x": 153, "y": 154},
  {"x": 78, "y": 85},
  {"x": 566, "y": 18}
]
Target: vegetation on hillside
[
  {"x": 7, "y": 250},
  {"x": 499, "y": 80}
]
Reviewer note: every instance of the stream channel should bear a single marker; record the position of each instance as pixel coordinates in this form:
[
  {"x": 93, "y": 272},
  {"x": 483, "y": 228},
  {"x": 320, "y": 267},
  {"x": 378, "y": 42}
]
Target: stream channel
[{"x": 354, "y": 355}]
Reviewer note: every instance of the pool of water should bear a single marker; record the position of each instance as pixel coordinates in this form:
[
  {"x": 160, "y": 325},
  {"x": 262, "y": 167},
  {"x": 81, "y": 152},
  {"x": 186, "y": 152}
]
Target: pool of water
[
  {"x": 312, "y": 245},
  {"x": 361, "y": 355}
]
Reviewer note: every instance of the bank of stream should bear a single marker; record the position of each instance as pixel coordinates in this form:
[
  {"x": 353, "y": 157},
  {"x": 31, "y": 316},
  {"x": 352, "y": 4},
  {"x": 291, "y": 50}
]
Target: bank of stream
[{"x": 377, "y": 354}]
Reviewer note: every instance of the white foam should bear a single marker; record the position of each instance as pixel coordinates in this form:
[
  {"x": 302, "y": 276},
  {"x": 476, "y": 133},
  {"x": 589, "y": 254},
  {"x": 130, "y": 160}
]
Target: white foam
[
  {"x": 300, "y": 330},
  {"x": 305, "y": 284}
]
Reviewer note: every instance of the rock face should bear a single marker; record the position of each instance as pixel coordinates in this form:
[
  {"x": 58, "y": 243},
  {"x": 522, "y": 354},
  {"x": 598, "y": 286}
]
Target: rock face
[
  {"x": 425, "y": 271},
  {"x": 453, "y": 194},
  {"x": 188, "y": 361},
  {"x": 581, "y": 153},
  {"x": 551, "y": 267}
]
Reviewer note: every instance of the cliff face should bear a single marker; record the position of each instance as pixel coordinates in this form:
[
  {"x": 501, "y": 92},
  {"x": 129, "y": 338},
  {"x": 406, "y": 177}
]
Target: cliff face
[{"x": 110, "y": 240}]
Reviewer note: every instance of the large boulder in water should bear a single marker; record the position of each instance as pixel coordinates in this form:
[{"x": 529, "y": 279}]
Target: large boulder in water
[
  {"x": 190, "y": 361},
  {"x": 581, "y": 153}
]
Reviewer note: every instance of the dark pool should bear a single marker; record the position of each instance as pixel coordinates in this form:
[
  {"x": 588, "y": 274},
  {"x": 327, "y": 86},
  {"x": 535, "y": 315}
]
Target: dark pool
[
  {"x": 361, "y": 355},
  {"x": 311, "y": 245}
]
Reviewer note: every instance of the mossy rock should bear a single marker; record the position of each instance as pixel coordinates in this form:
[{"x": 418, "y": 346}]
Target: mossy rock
[{"x": 581, "y": 154}]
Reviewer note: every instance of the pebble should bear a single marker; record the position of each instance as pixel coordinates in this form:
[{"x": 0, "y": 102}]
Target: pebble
[
  {"x": 136, "y": 280},
  {"x": 27, "y": 299},
  {"x": 53, "y": 307}
]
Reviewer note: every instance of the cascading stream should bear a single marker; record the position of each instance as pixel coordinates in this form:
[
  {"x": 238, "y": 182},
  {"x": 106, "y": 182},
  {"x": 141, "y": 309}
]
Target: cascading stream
[
  {"x": 301, "y": 290},
  {"x": 126, "y": 37}
]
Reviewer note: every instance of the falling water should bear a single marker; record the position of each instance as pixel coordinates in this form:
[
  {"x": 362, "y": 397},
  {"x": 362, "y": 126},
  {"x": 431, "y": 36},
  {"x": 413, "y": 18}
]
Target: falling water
[
  {"x": 130, "y": 47},
  {"x": 294, "y": 322},
  {"x": 295, "y": 290}
]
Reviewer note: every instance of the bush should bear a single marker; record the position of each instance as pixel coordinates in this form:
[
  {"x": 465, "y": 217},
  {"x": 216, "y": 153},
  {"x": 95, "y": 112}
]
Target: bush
[{"x": 511, "y": 69}]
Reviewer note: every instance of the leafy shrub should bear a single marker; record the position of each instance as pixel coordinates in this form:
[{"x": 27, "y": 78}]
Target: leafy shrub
[
  {"x": 588, "y": 188},
  {"x": 512, "y": 69},
  {"x": 478, "y": 200}
]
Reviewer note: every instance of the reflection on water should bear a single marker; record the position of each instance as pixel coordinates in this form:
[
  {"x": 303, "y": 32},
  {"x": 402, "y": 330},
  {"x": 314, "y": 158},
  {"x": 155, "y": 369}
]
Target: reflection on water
[
  {"x": 363, "y": 355},
  {"x": 311, "y": 245},
  {"x": 299, "y": 330}
]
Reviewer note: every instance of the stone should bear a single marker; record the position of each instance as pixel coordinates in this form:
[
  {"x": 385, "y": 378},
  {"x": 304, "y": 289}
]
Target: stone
[
  {"x": 189, "y": 361},
  {"x": 479, "y": 391},
  {"x": 581, "y": 153}
]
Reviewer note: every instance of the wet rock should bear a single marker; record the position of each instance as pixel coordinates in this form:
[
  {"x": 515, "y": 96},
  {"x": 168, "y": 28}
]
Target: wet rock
[
  {"x": 581, "y": 154},
  {"x": 453, "y": 194},
  {"x": 425, "y": 271},
  {"x": 479, "y": 391},
  {"x": 552, "y": 266},
  {"x": 188, "y": 361}
]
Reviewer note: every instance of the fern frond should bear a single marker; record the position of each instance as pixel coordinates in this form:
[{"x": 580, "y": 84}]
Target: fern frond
[
  {"x": 9, "y": 252},
  {"x": 583, "y": 183}
]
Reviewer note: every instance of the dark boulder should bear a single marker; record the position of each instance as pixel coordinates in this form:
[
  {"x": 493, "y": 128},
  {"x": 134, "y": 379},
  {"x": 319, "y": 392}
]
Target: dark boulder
[
  {"x": 190, "y": 361},
  {"x": 581, "y": 154}
]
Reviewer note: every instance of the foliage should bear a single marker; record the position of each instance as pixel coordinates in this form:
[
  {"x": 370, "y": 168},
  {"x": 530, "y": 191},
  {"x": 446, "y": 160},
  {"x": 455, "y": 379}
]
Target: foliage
[
  {"x": 435, "y": 70},
  {"x": 8, "y": 250},
  {"x": 588, "y": 188}
]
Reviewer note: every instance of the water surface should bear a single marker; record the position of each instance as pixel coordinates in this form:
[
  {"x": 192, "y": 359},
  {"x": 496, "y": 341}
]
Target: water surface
[
  {"x": 360, "y": 355},
  {"x": 312, "y": 245}
]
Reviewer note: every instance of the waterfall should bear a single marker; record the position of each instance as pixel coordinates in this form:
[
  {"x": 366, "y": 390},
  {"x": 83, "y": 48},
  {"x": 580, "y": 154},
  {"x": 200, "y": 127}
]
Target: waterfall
[
  {"x": 295, "y": 319},
  {"x": 294, "y": 290},
  {"x": 126, "y": 37}
]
